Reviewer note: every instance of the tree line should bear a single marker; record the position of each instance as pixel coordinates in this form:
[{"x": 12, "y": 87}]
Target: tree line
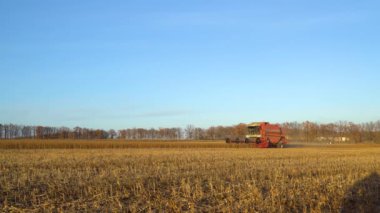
[
  {"x": 307, "y": 131},
  {"x": 341, "y": 131}
]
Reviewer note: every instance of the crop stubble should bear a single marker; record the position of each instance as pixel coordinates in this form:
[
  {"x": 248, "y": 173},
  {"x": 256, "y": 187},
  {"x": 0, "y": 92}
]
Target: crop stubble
[{"x": 317, "y": 179}]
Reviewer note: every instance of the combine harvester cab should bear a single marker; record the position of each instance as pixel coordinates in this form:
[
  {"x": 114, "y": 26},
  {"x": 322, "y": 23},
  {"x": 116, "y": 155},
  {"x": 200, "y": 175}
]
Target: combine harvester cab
[{"x": 263, "y": 135}]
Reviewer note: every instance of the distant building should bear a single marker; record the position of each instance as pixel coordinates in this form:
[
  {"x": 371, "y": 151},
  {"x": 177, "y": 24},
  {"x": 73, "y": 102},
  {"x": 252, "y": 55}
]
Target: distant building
[{"x": 333, "y": 139}]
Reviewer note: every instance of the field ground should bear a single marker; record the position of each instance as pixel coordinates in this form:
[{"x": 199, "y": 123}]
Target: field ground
[{"x": 193, "y": 176}]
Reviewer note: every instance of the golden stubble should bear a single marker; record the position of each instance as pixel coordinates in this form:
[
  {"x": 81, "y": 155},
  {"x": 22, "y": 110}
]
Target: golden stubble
[{"x": 314, "y": 179}]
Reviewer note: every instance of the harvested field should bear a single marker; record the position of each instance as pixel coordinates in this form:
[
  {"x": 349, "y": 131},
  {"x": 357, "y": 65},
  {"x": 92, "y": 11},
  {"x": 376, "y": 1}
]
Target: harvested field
[
  {"x": 306, "y": 179},
  {"x": 113, "y": 144}
]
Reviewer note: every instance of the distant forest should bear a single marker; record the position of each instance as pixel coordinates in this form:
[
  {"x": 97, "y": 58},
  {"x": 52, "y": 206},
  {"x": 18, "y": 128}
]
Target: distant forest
[{"x": 341, "y": 131}]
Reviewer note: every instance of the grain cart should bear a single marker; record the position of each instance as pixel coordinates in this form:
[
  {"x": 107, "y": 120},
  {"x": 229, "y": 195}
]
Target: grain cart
[{"x": 263, "y": 135}]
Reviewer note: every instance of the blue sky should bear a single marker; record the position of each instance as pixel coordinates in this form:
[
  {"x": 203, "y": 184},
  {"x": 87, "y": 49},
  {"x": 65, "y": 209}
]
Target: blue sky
[{"x": 121, "y": 64}]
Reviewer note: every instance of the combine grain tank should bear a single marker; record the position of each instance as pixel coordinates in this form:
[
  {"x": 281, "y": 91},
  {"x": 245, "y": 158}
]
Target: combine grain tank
[{"x": 263, "y": 135}]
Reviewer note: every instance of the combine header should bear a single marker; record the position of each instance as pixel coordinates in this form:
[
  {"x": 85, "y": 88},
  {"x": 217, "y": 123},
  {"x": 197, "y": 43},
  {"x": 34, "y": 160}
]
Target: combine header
[{"x": 263, "y": 135}]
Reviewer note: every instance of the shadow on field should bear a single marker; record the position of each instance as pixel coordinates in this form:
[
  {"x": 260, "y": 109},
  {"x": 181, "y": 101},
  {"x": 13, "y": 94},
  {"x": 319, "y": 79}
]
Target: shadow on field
[
  {"x": 363, "y": 196},
  {"x": 295, "y": 145}
]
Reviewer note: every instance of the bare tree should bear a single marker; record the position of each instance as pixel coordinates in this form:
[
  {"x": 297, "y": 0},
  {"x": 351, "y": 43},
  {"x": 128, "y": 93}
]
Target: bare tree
[
  {"x": 112, "y": 133},
  {"x": 189, "y": 131},
  {"x": 355, "y": 132}
]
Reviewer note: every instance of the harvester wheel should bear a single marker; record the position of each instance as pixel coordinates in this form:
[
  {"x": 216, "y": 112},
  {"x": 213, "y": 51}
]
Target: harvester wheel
[
  {"x": 280, "y": 145},
  {"x": 258, "y": 140},
  {"x": 269, "y": 143},
  {"x": 228, "y": 140}
]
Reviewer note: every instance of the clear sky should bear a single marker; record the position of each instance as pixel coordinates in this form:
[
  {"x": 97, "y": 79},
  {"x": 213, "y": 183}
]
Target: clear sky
[{"x": 121, "y": 64}]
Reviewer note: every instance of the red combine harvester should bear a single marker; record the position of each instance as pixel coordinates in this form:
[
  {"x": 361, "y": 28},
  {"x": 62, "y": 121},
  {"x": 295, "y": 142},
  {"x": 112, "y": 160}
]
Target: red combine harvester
[{"x": 263, "y": 135}]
